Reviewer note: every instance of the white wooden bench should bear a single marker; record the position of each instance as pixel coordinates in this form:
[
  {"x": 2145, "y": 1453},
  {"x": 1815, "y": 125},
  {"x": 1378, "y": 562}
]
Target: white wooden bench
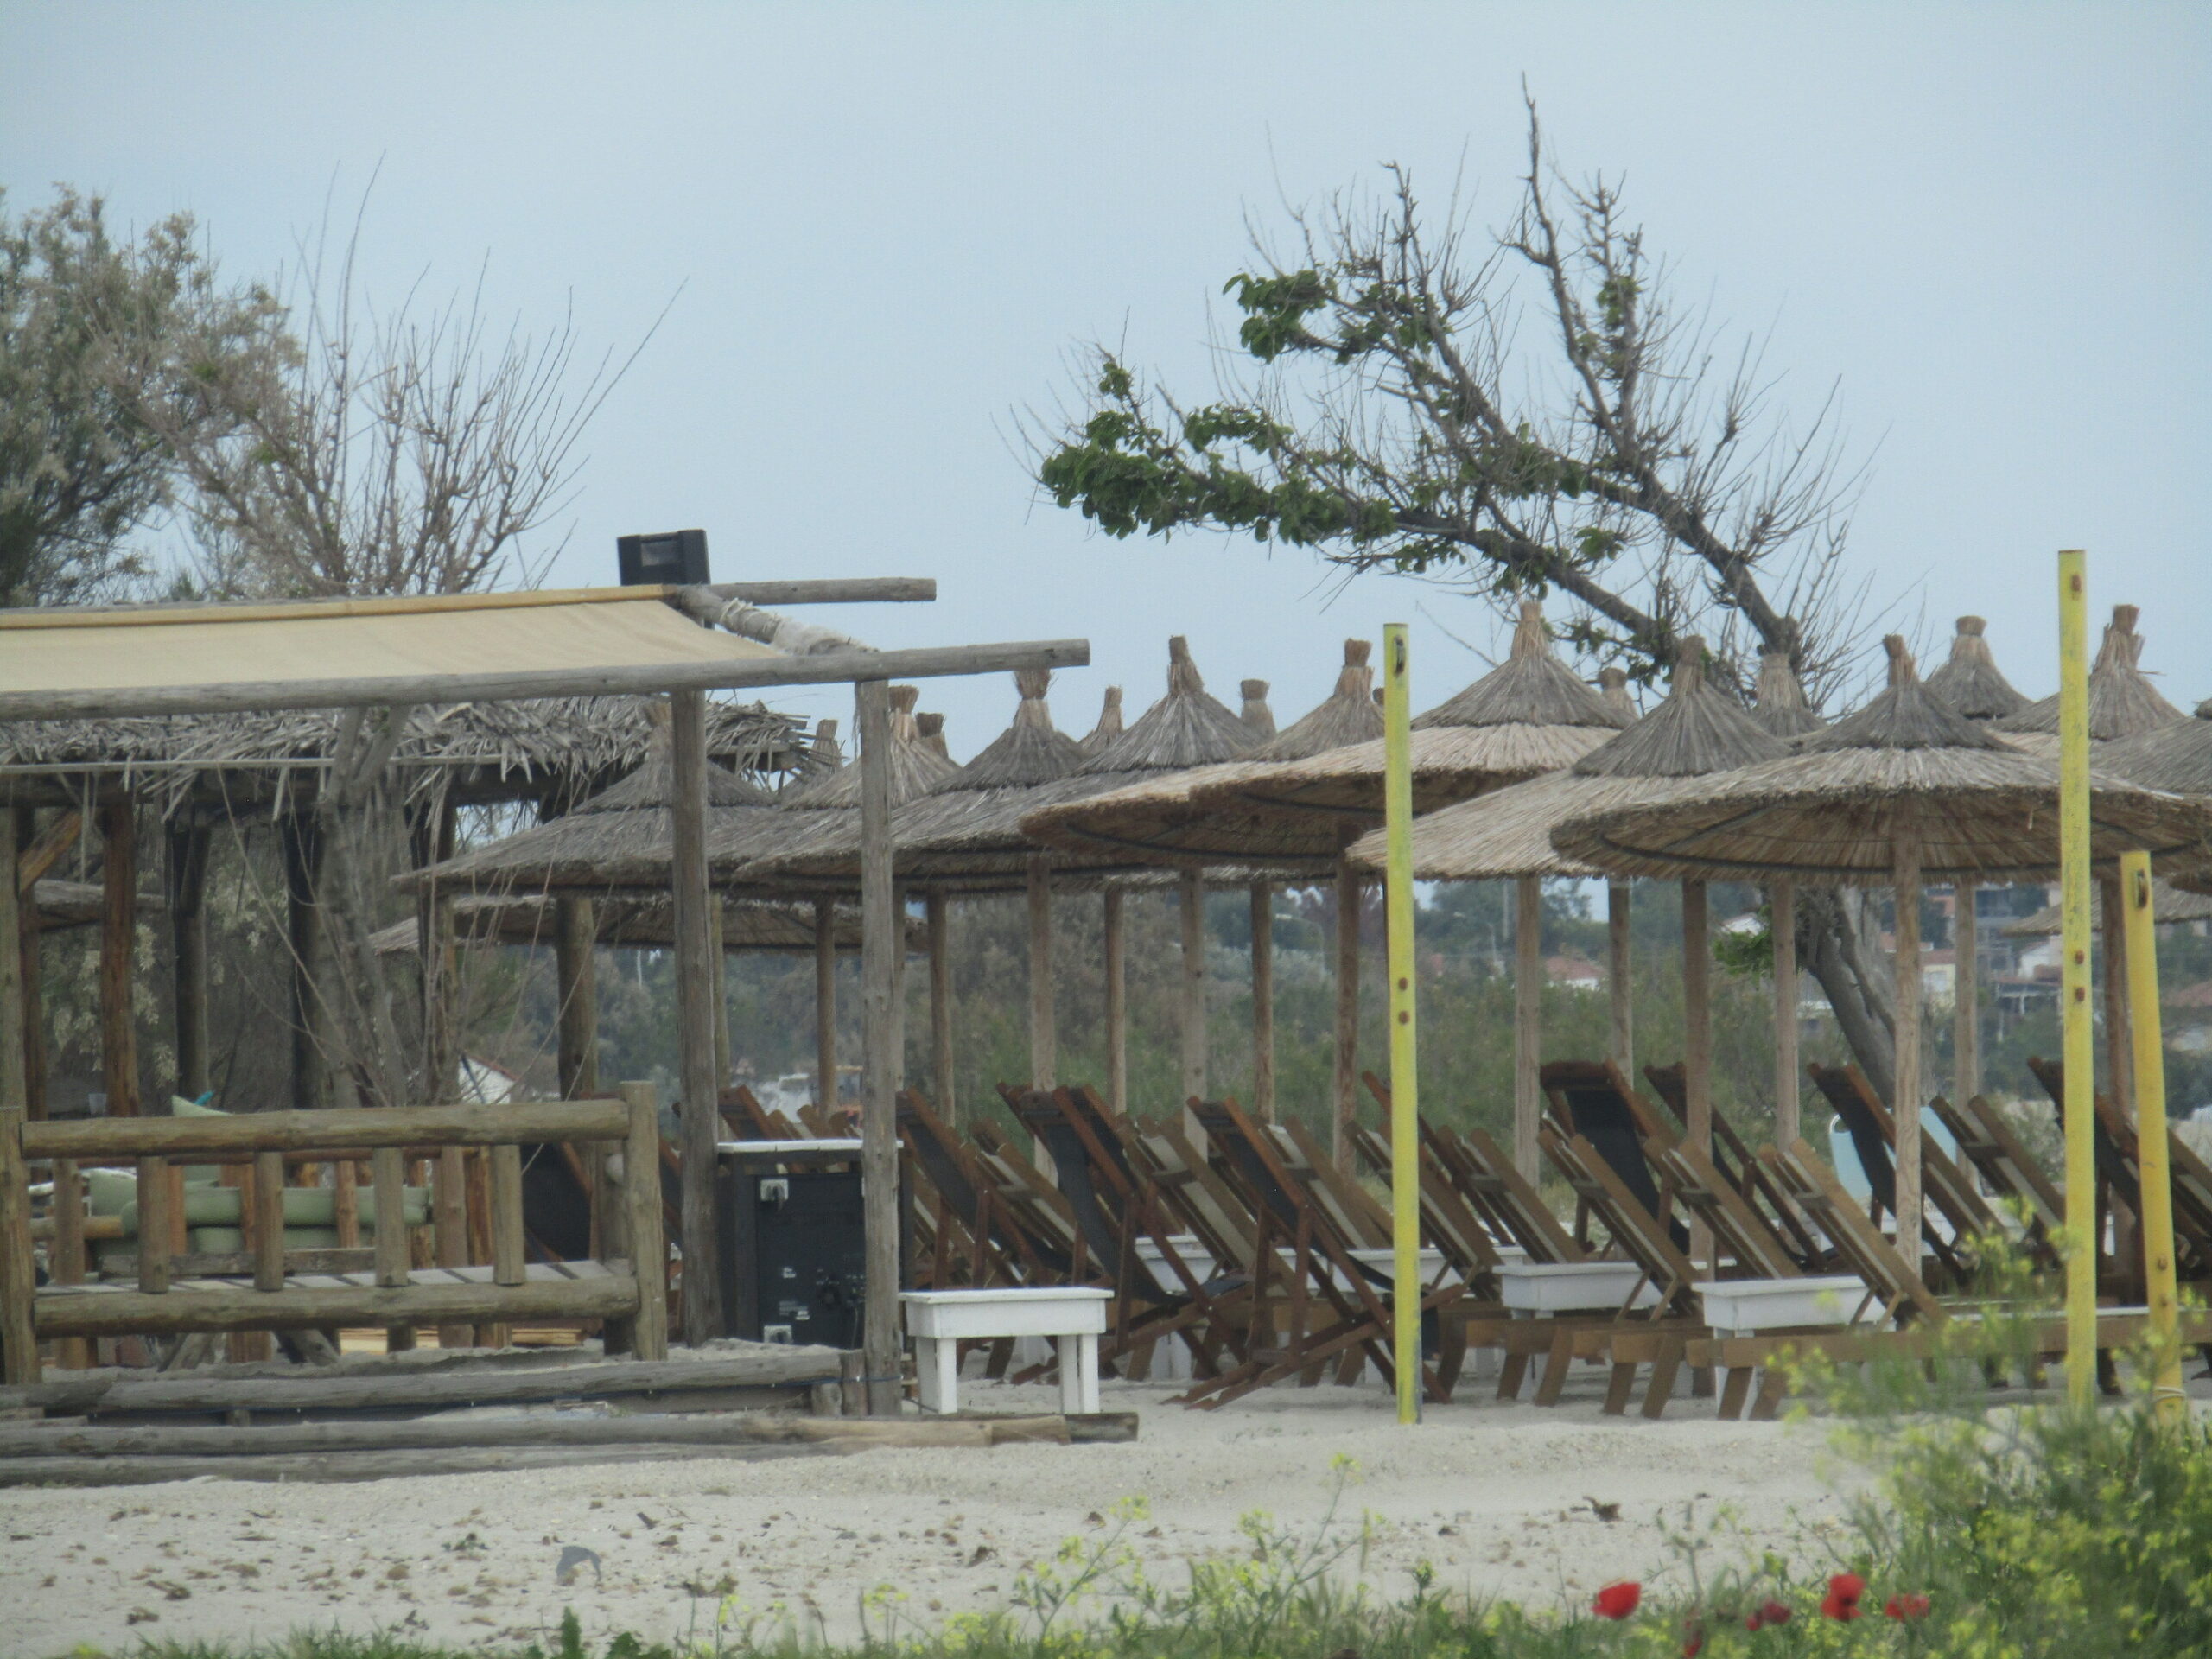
[{"x": 940, "y": 1320}]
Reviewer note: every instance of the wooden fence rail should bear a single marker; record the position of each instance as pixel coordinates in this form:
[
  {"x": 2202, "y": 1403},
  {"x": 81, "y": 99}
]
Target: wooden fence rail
[{"x": 628, "y": 1290}]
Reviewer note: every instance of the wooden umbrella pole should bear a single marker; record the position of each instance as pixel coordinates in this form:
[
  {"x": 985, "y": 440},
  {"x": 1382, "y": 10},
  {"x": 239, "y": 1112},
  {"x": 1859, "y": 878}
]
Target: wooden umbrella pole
[
  {"x": 1783, "y": 925},
  {"x": 825, "y": 1004},
  {"x": 715, "y": 925},
  {"x": 576, "y": 973},
  {"x": 1965, "y": 994},
  {"x": 302, "y": 847},
  {"x": 1117, "y": 1005},
  {"x": 1527, "y": 1019},
  {"x": 880, "y": 1343},
  {"x": 940, "y": 948},
  {"x": 188, "y": 874},
  {"x": 32, "y": 988},
  {"x": 1044, "y": 1033},
  {"x": 1620, "y": 981},
  {"x": 118, "y": 934},
  {"x": 1697, "y": 1038},
  {"x": 15, "y": 1088},
  {"x": 1346, "y": 1105},
  {"x": 1905, "y": 878},
  {"x": 1191, "y": 895},
  {"x": 1263, "y": 1000},
  {"x": 697, "y": 955},
  {"x": 2120, "y": 1020}
]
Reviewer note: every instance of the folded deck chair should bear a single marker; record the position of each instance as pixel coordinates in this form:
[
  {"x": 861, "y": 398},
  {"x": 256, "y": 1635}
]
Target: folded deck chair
[
  {"x": 1481, "y": 1176},
  {"x": 1591, "y": 1099},
  {"x": 1323, "y": 1270},
  {"x": 1732, "y": 1161},
  {"x": 992, "y": 1245},
  {"x": 1987, "y": 1142},
  {"x": 2120, "y": 1172},
  {"x": 1873, "y": 1137}
]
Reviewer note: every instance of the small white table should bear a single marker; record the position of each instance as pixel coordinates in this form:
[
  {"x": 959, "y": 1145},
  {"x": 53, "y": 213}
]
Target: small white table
[{"x": 940, "y": 1320}]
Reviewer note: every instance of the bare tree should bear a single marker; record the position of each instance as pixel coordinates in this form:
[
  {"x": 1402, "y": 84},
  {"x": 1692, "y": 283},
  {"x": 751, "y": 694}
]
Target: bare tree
[{"x": 1518, "y": 413}]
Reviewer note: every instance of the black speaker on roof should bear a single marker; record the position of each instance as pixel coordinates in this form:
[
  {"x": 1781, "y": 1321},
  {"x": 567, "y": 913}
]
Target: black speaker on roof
[{"x": 675, "y": 557}]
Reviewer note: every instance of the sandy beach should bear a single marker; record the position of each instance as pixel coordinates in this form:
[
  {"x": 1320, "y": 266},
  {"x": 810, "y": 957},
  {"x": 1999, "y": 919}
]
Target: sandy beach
[{"x": 1496, "y": 1498}]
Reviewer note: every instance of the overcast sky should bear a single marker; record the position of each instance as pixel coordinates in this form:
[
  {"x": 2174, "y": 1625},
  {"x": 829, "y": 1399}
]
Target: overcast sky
[{"x": 1988, "y": 223}]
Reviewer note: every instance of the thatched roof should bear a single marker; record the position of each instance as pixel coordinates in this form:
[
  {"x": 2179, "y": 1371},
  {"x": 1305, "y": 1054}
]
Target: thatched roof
[
  {"x": 1971, "y": 683},
  {"x": 1697, "y": 730},
  {"x": 1779, "y": 704},
  {"x": 2168, "y": 904},
  {"x": 1985, "y": 811},
  {"x": 931, "y": 729},
  {"x": 1259, "y": 719},
  {"x": 646, "y": 921},
  {"x": 2122, "y": 700},
  {"x": 1177, "y": 815},
  {"x": 1528, "y": 714},
  {"x": 1110, "y": 722},
  {"x": 1612, "y": 691},
  {"x": 2175, "y": 757}
]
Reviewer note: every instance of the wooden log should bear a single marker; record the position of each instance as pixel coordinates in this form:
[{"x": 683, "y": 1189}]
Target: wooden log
[
  {"x": 14, "y": 1071},
  {"x": 937, "y": 921},
  {"x": 110, "y": 1314},
  {"x": 1788, "y": 1078},
  {"x": 1697, "y": 1040},
  {"x": 1528, "y": 1022},
  {"x": 154, "y": 1227},
  {"x": 351, "y": 691},
  {"x": 825, "y": 1004},
  {"x": 1044, "y": 1030},
  {"x": 1965, "y": 994},
  {"x": 19, "y": 1360},
  {"x": 346, "y": 1203},
  {"x": 2119, "y": 1018},
  {"x": 440, "y": 954},
  {"x": 450, "y": 1227},
  {"x": 508, "y": 1257},
  {"x": 68, "y": 1259},
  {"x": 720, "y": 998},
  {"x": 1346, "y": 1104},
  {"x": 576, "y": 976},
  {"x": 118, "y": 937},
  {"x": 388, "y": 1183},
  {"x": 698, "y": 964},
  {"x": 344, "y": 1466},
  {"x": 1904, "y": 872},
  {"x": 265, "y": 1204},
  {"x": 1117, "y": 1004},
  {"x": 361, "y": 1129},
  {"x": 880, "y": 943},
  {"x": 186, "y": 870},
  {"x": 544, "y": 1428},
  {"x": 1191, "y": 913},
  {"x": 1620, "y": 979},
  {"x": 300, "y": 845},
  {"x": 30, "y": 989},
  {"x": 38, "y": 854},
  {"x": 1263, "y": 1000},
  {"x": 648, "y": 1331},
  {"x": 827, "y": 590}
]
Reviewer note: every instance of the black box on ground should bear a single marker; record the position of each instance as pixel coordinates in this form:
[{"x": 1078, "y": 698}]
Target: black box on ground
[{"x": 794, "y": 1265}]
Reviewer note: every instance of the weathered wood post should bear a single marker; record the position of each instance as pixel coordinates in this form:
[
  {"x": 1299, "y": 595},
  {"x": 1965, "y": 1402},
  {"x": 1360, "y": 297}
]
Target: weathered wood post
[
  {"x": 575, "y": 968},
  {"x": 880, "y": 942},
  {"x": 118, "y": 933},
  {"x": 1783, "y": 925},
  {"x": 940, "y": 947},
  {"x": 1044, "y": 1030},
  {"x": 648, "y": 1332},
  {"x": 695, "y": 958},
  {"x": 1263, "y": 1000},
  {"x": 1117, "y": 1004},
  {"x": 187, "y": 847},
  {"x": 825, "y": 1004},
  {"x": 1346, "y": 1105},
  {"x": 1620, "y": 980},
  {"x": 1697, "y": 1039},
  {"x": 1905, "y": 1109},
  {"x": 19, "y": 1361},
  {"x": 1527, "y": 1022},
  {"x": 302, "y": 853},
  {"x": 1191, "y": 912}
]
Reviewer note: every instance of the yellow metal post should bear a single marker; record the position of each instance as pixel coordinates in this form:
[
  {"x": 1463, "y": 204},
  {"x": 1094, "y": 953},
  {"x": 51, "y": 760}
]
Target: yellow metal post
[
  {"x": 1405, "y": 1096},
  {"x": 2079, "y": 1047},
  {"x": 2151, "y": 1136}
]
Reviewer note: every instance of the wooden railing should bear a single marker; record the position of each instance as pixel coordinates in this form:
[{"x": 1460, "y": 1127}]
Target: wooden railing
[{"x": 631, "y": 1296}]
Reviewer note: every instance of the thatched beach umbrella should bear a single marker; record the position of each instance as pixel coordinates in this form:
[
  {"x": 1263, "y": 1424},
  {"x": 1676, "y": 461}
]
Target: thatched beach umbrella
[
  {"x": 633, "y": 921},
  {"x": 2170, "y": 902},
  {"x": 1110, "y": 723},
  {"x": 1970, "y": 683},
  {"x": 1778, "y": 701},
  {"x": 1507, "y": 835},
  {"x": 2123, "y": 702},
  {"x": 1166, "y": 819},
  {"x": 1779, "y": 704},
  {"x": 1899, "y": 792}
]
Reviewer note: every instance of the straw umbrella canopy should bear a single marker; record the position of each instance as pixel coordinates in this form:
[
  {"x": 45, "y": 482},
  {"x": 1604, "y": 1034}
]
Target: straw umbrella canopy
[
  {"x": 2123, "y": 702},
  {"x": 641, "y": 920},
  {"x": 1899, "y": 792},
  {"x": 1971, "y": 684},
  {"x": 1696, "y": 731},
  {"x": 2169, "y": 903},
  {"x": 1164, "y": 818},
  {"x": 1778, "y": 701},
  {"x": 2178, "y": 758},
  {"x": 1110, "y": 723}
]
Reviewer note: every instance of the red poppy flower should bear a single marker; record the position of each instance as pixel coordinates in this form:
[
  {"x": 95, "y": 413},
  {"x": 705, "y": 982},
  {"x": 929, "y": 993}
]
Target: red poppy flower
[
  {"x": 1911, "y": 1604},
  {"x": 1618, "y": 1600},
  {"x": 1692, "y": 1646},
  {"x": 1773, "y": 1612},
  {"x": 1842, "y": 1602}
]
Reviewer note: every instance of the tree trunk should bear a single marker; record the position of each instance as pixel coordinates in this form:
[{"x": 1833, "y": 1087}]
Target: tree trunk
[{"x": 1835, "y": 955}]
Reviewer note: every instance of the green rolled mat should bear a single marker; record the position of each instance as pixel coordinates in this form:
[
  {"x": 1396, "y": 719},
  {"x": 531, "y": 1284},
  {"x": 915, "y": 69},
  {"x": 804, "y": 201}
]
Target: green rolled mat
[{"x": 304, "y": 1206}]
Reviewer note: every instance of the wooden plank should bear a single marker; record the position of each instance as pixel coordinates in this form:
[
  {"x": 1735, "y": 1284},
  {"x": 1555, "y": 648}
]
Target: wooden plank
[
  {"x": 35, "y": 857},
  {"x": 142, "y": 1313},
  {"x": 1263, "y": 1000},
  {"x": 267, "y": 1208},
  {"x": 360, "y": 1129},
  {"x": 698, "y": 973},
  {"x": 507, "y": 1253},
  {"x": 19, "y": 1361},
  {"x": 1044, "y": 1030},
  {"x": 880, "y": 945},
  {"x": 118, "y": 937},
  {"x": 830, "y": 667},
  {"x": 1117, "y": 1004},
  {"x": 647, "y": 1331}
]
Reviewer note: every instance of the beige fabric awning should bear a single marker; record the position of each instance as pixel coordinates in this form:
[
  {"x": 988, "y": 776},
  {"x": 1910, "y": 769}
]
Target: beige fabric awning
[{"x": 182, "y": 646}]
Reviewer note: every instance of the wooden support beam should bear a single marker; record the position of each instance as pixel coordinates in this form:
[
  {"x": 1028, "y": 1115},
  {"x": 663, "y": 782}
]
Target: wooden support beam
[
  {"x": 265, "y": 1205},
  {"x": 576, "y": 972},
  {"x": 1697, "y": 1040},
  {"x": 19, "y": 1360},
  {"x": 1044, "y": 1030},
  {"x": 301, "y": 848},
  {"x": 1965, "y": 994},
  {"x": 118, "y": 935},
  {"x": 361, "y": 1129},
  {"x": 826, "y": 668},
  {"x": 155, "y": 1228},
  {"x": 1620, "y": 979},
  {"x": 1117, "y": 1004},
  {"x": 641, "y": 1228},
  {"x": 187, "y": 873},
  {"x": 1788, "y": 1077},
  {"x": 1346, "y": 1078},
  {"x": 1905, "y": 1110},
  {"x": 1263, "y": 1000},
  {"x": 1191, "y": 914},
  {"x": 876, "y": 590},
  {"x": 938, "y": 925},
  {"x": 1528, "y": 1022},
  {"x": 509, "y": 1257},
  {"x": 138, "y": 1313},
  {"x": 30, "y": 990},
  {"x": 879, "y": 944},
  {"x": 37, "y": 854},
  {"x": 698, "y": 960},
  {"x": 825, "y": 1004}
]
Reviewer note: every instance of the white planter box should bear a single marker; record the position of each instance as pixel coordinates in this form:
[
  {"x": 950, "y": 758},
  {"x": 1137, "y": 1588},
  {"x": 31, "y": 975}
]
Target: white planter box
[
  {"x": 938, "y": 1319},
  {"x": 1741, "y": 1306},
  {"x": 1571, "y": 1287}
]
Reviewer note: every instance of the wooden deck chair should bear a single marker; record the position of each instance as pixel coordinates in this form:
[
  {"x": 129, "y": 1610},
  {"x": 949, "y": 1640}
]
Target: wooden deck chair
[
  {"x": 2119, "y": 1172},
  {"x": 1759, "y": 1251},
  {"x": 1873, "y": 1137},
  {"x": 1323, "y": 1268},
  {"x": 982, "y": 1243},
  {"x": 1893, "y": 1285},
  {"x": 1512, "y": 1211},
  {"x": 1358, "y": 1214},
  {"x": 1988, "y": 1144},
  {"x": 1732, "y": 1161},
  {"x": 746, "y": 1119},
  {"x": 1591, "y": 1099}
]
